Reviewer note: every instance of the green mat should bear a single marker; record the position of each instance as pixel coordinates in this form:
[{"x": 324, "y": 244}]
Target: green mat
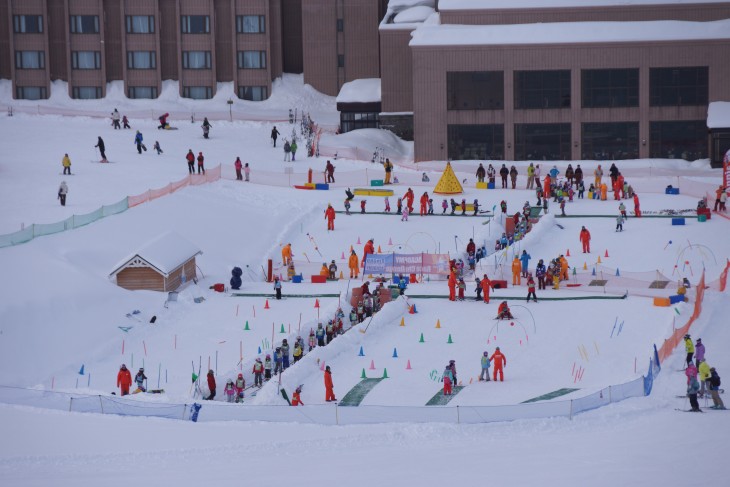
[
  {"x": 355, "y": 396},
  {"x": 440, "y": 400},
  {"x": 551, "y": 395}
]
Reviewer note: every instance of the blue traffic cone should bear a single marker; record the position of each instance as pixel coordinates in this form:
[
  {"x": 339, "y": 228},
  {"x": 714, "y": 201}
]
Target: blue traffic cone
[
  {"x": 594, "y": 272},
  {"x": 617, "y": 274},
  {"x": 81, "y": 372},
  {"x": 395, "y": 353},
  {"x": 361, "y": 354}
]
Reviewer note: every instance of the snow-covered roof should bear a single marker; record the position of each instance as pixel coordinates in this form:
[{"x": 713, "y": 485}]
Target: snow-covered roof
[
  {"x": 365, "y": 90},
  {"x": 568, "y": 33},
  {"x": 413, "y": 14},
  {"x": 718, "y": 115},
  {"x": 407, "y": 14},
  {"x": 165, "y": 253},
  {"x": 519, "y": 4}
]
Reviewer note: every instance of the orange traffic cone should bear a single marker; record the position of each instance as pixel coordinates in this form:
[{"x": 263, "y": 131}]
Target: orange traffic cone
[{"x": 379, "y": 251}]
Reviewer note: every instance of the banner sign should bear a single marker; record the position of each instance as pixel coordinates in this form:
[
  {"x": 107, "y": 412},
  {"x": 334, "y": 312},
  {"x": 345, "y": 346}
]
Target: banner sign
[
  {"x": 407, "y": 264},
  {"x": 726, "y": 170}
]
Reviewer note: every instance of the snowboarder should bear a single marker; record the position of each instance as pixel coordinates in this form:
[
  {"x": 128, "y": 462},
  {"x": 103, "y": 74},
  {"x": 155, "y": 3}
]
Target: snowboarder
[
  {"x": 115, "y": 119},
  {"x": 62, "y": 192},
  {"x": 585, "y": 239},
  {"x": 190, "y": 158},
  {"x": 124, "y": 380},
  {"x": 66, "y": 163},
  {"x": 102, "y": 149},
  {"x": 274, "y": 135},
  {"x": 201, "y": 163},
  {"x": 484, "y": 374},
  {"x": 211, "y": 385},
  {"x": 206, "y": 127},
  {"x": 329, "y": 387},
  {"x": 125, "y": 122},
  {"x": 157, "y": 147},
  {"x": 258, "y": 370},
  {"x": 138, "y": 140},
  {"x": 329, "y": 215},
  {"x": 140, "y": 379},
  {"x": 500, "y": 362},
  {"x": 277, "y": 287},
  {"x": 238, "y": 165},
  {"x": 163, "y": 121}
]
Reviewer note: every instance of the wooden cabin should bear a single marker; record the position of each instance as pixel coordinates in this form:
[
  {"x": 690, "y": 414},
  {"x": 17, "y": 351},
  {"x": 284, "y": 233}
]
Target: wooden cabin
[{"x": 163, "y": 264}]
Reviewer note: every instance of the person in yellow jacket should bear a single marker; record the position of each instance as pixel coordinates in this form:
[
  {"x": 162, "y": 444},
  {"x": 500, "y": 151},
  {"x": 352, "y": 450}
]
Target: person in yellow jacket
[
  {"x": 704, "y": 376},
  {"x": 354, "y": 265},
  {"x": 286, "y": 255},
  {"x": 66, "y": 164},
  {"x": 516, "y": 269},
  {"x": 604, "y": 191},
  {"x": 689, "y": 347}
]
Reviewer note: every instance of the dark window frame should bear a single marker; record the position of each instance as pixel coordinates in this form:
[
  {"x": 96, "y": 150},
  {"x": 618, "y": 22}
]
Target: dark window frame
[
  {"x": 21, "y": 27},
  {"x": 478, "y": 148},
  {"x": 129, "y": 21},
  {"x": 76, "y": 90},
  {"x": 526, "y": 148},
  {"x": 670, "y": 139},
  {"x": 258, "y": 56},
  {"x": 75, "y": 60},
  {"x": 152, "y": 57},
  {"x": 246, "y": 92},
  {"x": 19, "y": 60},
  {"x": 78, "y": 24},
  {"x": 610, "y": 88},
  {"x": 679, "y": 86},
  {"x": 241, "y": 24},
  {"x": 208, "y": 92},
  {"x": 131, "y": 92},
  {"x": 186, "y": 60},
  {"x": 187, "y": 24},
  {"x": 542, "y": 89},
  {"x": 20, "y": 92},
  {"x": 477, "y": 85},
  {"x": 628, "y": 135}
]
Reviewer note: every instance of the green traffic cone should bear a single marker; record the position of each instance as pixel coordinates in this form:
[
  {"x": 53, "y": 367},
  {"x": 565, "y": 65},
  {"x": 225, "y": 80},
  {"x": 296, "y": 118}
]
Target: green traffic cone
[
  {"x": 282, "y": 328},
  {"x": 246, "y": 328},
  {"x": 449, "y": 340},
  {"x": 421, "y": 340},
  {"x": 363, "y": 376},
  {"x": 385, "y": 373}
]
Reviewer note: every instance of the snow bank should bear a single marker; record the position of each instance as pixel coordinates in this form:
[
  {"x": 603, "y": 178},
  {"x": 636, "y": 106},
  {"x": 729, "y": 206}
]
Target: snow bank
[{"x": 365, "y": 90}]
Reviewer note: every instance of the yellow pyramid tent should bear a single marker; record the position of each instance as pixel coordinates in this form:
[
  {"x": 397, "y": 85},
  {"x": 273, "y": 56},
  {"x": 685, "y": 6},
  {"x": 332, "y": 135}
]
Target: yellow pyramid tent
[{"x": 448, "y": 184}]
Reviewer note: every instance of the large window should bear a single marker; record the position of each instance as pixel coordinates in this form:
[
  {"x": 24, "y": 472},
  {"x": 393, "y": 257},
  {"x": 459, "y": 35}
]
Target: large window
[
  {"x": 678, "y": 86},
  {"x": 610, "y": 141},
  {"x": 142, "y": 92},
  {"x": 250, "y": 24},
  {"x": 86, "y": 92},
  {"x": 140, "y": 24},
  {"x": 352, "y": 121},
  {"x": 31, "y": 93},
  {"x": 30, "y": 60},
  {"x": 482, "y": 90},
  {"x": 27, "y": 24},
  {"x": 141, "y": 60},
  {"x": 678, "y": 140},
  {"x": 251, "y": 59},
  {"x": 84, "y": 24},
  {"x": 607, "y": 88},
  {"x": 253, "y": 93},
  {"x": 86, "y": 60},
  {"x": 198, "y": 92},
  {"x": 196, "y": 60},
  {"x": 542, "y": 89},
  {"x": 542, "y": 141},
  {"x": 478, "y": 142},
  {"x": 195, "y": 24}
]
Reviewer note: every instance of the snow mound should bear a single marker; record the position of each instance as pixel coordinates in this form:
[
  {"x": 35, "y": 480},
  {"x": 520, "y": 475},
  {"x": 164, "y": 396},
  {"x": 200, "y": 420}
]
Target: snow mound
[
  {"x": 413, "y": 14},
  {"x": 368, "y": 140}
]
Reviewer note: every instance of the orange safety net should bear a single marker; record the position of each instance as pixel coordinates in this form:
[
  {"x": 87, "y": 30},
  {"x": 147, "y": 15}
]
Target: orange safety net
[{"x": 677, "y": 336}]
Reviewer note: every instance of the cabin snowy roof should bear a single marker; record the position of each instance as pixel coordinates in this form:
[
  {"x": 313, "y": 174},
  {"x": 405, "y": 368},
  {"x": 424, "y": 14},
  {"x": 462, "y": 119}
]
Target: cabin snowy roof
[
  {"x": 165, "y": 253},
  {"x": 521, "y": 4},
  {"x": 365, "y": 90},
  {"x": 718, "y": 115},
  {"x": 569, "y": 33}
]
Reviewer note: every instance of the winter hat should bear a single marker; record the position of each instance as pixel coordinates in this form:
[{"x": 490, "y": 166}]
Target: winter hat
[{"x": 486, "y": 353}]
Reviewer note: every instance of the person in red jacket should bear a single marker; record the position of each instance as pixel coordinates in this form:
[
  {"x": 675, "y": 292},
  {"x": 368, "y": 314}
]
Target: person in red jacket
[
  {"x": 163, "y": 121},
  {"x": 471, "y": 247},
  {"x": 369, "y": 248},
  {"x": 124, "y": 380},
  {"x": 329, "y": 215},
  {"x": 637, "y": 207},
  {"x": 486, "y": 284},
  {"x": 296, "y": 399},
  {"x": 500, "y": 362},
  {"x": 410, "y": 196},
  {"x": 585, "y": 239},
  {"x": 452, "y": 287},
  {"x": 424, "y": 204},
  {"x": 546, "y": 186},
  {"x": 190, "y": 157},
  {"x": 329, "y": 395},
  {"x": 211, "y": 385},
  {"x": 201, "y": 160}
]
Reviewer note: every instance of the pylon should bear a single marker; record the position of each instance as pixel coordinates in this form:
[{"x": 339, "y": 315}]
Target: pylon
[
  {"x": 412, "y": 309},
  {"x": 372, "y": 365},
  {"x": 421, "y": 340},
  {"x": 617, "y": 274},
  {"x": 449, "y": 340},
  {"x": 316, "y": 303},
  {"x": 438, "y": 323},
  {"x": 402, "y": 322},
  {"x": 246, "y": 328},
  {"x": 341, "y": 275},
  {"x": 395, "y": 353},
  {"x": 594, "y": 272},
  {"x": 385, "y": 373},
  {"x": 266, "y": 306},
  {"x": 321, "y": 367},
  {"x": 567, "y": 253},
  {"x": 343, "y": 256},
  {"x": 358, "y": 240},
  {"x": 362, "y": 353},
  {"x": 81, "y": 372},
  {"x": 370, "y": 276},
  {"x": 259, "y": 349},
  {"x": 379, "y": 251},
  {"x": 390, "y": 241},
  {"x": 408, "y": 365},
  {"x": 606, "y": 256},
  {"x": 282, "y": 329},
  {"x": 574, "y": 273},
  {"x": 599, "y": 259},
  {"x": 363, "y": 376},
  {"x": 585, "y": 266}
]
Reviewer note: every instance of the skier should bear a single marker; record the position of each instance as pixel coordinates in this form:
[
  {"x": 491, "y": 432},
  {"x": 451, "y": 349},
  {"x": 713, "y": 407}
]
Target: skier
[
  {"x": 284, "y": 354},
  {"x": 274, "y": 135},
  {"x": 637, "y": 207},
  {"x": 115, "y": 119},
  {"x": 157, "y": 147},
  {"x": 452, "y": 366},
  {"x": 452, "y": 286},
  {"x": 286, "y": 254},
  {"x": 699, "y": 347},
  {"x": 704, "y": 376},
  {"x": 478, "y": 289},
  {"x": 287, "y": 151},
  {"x": 124, "y": 380},
  {"x": 368, "y": 248},
  {"x": 66, "y": 163},
  {"x": 424, "y": 204},
  {"x": 277, "y": 287},
  {"x": 531, "y": 287},
  {"x": 329, "y": 215},
  {"x": 320, "y": 334},
  {"x": 715, "y": 389},
  {"x": 293, "y": 147},
  {"x": 296, "y": 399},
  {"x": 102, "y": 149},
  {"x": 258, "y": 369},
  {"x": 138, "y": 140},
  {"x": 430, "y": 206},
  {"x": 516, "y": 268},
  {"x": 211, "y": 385},
  {"x": 500, "y": 362},
  {"x": 447, "y": 379},
  {"x": 689, "y": 348},
  {"x": 190, "y": 158},
  {"x": 503, "y": 312},
  {"x": 329, "y": 387},
  {"x": 444, "y": 206},
  {"x": 206, "y": 127},
  {"x": 484, "y": 374},
  {"x": 298, "y": 350},
  {"x": 330, "y": 171},
  {"x": 62, "y": 192},
  {"x": 692, "y": 387},
  {"x": 139, "y": 380},
  {"x": 409, "y": 197},
  {"x": 362, "y": 206},
  {"x": 125, "y": 122},
  {"x": 462, "y": 288},
  {"x": 230, "y": 391},
  {"x": 312, "y": 340},
  {"x": 620, "y": 223},
  {"x": 247, "y": 172},
  {"x": 277, "y": 361},
  {"x": 388, "y": 166},
  {"x": 353, "y": 264},
  {"x": 238, "y": 165},
  {"x": 240, "y": 386},
  {"x": 585, "y": 239},
  {"x": 201, "y": 161},
  {"x": 525, "y": 260},
  {"x": 163, "y": 121},
  {"x": 333, "y": 270},
  {"x": 387, "y": 205},
  {"x": 530, "y": 176},
  {"x": 267, "y": 368},
  {"x": 486, "y": 284}
]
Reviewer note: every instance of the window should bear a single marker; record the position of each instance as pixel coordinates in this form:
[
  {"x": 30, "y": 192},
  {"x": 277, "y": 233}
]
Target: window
[
  {"x": 31, "y": 93},
  {"x": 678, "y": 140},
  {"x": 86, "y": 60},
  {"x": 27, "y": 24},
  {"x": 30, "y": 60},
  {"x": 251, "y": 24},
  {"x": 142, "y": 92},
  {"x": 477, "y": 142},
  {"x": 140, "y": 24},
  {"x": 198, "y": 92},
  {"x": 340, "y": 25},
  {"x": 479, "y": 90},
  {"x": 352, "y": 121},
  {"x": 607, "y": 88},
  {"x": 340, "y": 60},
  {"x": 251, "y": 59},
  {"x": 253, "y": 93},
  {"x": 196, "y": 59},
  {"x": 86, "y": 92},
  {"x": 610, "y": 141},
  {"x": 542, "y": 141},
  {"x": 678, "y": 86},
  {"x": 84, "y": 24},
  {"x": 141, "y": 60},
  {"x": 195, "y": 24},
  {"x": 542, "y": 89}
]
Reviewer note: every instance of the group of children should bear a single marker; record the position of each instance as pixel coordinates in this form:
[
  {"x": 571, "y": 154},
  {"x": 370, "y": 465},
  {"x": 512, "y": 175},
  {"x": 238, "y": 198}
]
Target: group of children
[{"x": 701, "y": 378}]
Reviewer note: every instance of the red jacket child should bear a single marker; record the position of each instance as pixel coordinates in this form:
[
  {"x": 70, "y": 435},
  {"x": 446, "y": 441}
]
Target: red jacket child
[
  {"x": 329, "y": 215},
  {"x": 124, "y": 380},
  {"x": 585, "y": 239}
]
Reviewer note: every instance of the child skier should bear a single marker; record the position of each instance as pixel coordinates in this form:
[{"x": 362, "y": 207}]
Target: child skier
[
  {"x": 444, "y": 206},
  {"x": 430, "y": 206},
  {"x": 229, "y": 390},
  {"x": 404, "y": 218},
  {"x": 347, "y": 207},
  {"x": 387, "y": 205},
  {"x": 399, "y": 206},
  {"x": 312, "y": 340},
  {"x": 462, "y": 288},
  {"x": 447, "y": 379},
  {"x": 258, "y": 370},
  {"x": 620, "y": 223},
  {"x": 485, "y": 367},
  {"x": 139, "y": 380},
  {"x": 267, "y": 368},
  {"x": 362, "y": 206},
  {"x": 478, "y": 290},
  {"x": 530, "y": 288},
  {"x": 240, "y": 386},
  {"x": 157, "y": 147}
]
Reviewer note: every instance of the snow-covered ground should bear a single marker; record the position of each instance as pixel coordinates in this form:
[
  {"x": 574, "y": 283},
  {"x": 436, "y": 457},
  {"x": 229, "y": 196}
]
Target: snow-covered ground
[{"x": 61, "y": 311}]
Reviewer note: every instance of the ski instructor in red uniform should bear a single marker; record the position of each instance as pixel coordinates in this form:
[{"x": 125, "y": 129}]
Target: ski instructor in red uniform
[
  {"x": 499, "y": 361},
  {"x": 124, "y": 380}
]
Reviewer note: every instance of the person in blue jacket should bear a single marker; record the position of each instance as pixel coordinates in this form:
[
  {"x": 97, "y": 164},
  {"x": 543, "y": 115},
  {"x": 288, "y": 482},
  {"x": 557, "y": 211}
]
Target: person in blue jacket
[
  {"x": 402, "y": 285},
  {"x": 525, "y": 259},
  {"x": 554, "y": 172},
  {"x": 485, "y": 367},
  {"x": 138, "y": 141},
  {"x": 277, "y": 361}
]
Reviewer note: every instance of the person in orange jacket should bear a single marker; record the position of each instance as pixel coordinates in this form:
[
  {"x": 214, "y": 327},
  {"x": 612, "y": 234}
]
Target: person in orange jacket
[
  {"x": 546, "y": 186},
  {"x": 369, "y": 248},
  {"x": 585, "y": 239},
  {"x": 452, "y": 287},
  {"x": 409, "y": 197},
  {"x": 354, "y": 265},
  {"x": 424, "y": 204},
  {"x": 124, "y": 380},
  {"x": 296, "y": 398},
  {"x": 500, "y": 362},
  {"x": 329, "y": 215},
  {"x": 564, "y": 268},
  {"x": 329, "y": 388},
  {"x": 286, "y": 255},
  {"x": 637, "y": 207},
  {"x": 486, "y": 284},
  {"x": 516, "y": 270},
  {"x": 604, "y": 191}
]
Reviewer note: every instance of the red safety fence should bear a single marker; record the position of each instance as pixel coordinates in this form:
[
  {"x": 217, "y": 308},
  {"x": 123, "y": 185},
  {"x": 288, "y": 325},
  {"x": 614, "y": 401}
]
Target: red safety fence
[
  {"x": 211, "y": 175},
  {"x": 677, "y": 336}
]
